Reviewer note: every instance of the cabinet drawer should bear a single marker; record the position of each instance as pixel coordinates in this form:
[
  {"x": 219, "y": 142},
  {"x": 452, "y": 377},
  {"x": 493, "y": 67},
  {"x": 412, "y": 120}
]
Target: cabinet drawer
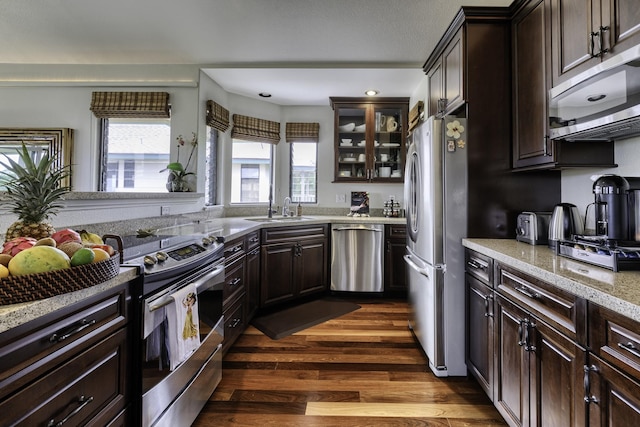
[
  {"x": 563, "y": 310},
  {"x": 234, "y": 322},
  {"x": 294, "y": 234},
  {"x": 396, "y": 231},
  {"x": 233, "y": 250},
  {"x": 89, "y": 389},
  {"x": 480, "y": 266},
  {"x": 233, "y": 281},
  {"x": 252, "y": 240},
  {"x": 30, "y": 350},
  {"x": 615, "y": 338}
]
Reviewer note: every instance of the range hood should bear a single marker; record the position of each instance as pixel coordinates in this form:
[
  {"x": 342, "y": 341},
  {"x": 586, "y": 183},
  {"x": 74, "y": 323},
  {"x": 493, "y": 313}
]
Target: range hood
[{"x": 601, "y": 104}]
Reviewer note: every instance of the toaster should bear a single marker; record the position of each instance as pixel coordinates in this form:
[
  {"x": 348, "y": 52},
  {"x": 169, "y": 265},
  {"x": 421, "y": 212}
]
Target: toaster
[{"x": 533, "y": 227}]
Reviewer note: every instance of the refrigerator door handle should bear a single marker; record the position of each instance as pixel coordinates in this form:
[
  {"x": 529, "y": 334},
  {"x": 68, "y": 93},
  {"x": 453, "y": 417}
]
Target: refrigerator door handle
[{"x": 409, "y": 261}]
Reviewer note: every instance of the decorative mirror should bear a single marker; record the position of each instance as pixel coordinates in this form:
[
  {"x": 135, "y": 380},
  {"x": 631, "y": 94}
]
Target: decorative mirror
[{"x": 57, "y": 142}]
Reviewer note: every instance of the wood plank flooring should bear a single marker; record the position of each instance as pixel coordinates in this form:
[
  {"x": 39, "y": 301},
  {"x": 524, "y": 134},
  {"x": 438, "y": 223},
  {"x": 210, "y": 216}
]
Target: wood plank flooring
[{"x": 361, "y": 369}]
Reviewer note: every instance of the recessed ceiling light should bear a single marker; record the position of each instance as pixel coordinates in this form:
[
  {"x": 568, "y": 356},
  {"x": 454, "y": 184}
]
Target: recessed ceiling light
[
  {"x": 371, "y": 92},
  {"x": 265, "y": 94}
]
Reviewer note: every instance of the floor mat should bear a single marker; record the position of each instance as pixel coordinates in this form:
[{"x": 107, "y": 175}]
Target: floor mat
[{"x": 291, "y": 320}]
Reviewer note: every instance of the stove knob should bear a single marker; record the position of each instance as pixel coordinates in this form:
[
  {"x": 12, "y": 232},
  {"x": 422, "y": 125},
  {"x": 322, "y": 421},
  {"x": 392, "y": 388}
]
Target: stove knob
[
  {"x": 149, "y": 260},
  {"x": 162, "y": 256},
  {"x": 206, "y": 241}
]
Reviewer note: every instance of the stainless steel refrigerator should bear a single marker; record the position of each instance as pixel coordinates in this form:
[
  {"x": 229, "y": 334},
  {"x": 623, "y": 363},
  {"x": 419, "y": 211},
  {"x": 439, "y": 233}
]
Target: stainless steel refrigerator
[{"x": 436, "y": 209}]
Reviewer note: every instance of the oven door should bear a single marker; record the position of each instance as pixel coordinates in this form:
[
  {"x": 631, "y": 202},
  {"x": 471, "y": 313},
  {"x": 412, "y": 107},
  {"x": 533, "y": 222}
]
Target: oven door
[{"x": 176, "y": 397}]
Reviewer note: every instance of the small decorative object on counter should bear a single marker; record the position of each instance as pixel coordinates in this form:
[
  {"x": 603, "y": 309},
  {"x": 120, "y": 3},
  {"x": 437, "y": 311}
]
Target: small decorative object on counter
[
  {"x": 391, "y": 208},
  {"x": 299, "y": 209},
  {"x": 359, "y": 204}
]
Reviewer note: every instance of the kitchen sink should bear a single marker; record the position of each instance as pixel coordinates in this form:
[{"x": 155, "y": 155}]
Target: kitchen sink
[{"x": 280, "y": 219}]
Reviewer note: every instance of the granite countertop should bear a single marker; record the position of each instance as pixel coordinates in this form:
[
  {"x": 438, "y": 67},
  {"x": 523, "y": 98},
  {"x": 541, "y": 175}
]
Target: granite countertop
[
  {"x": 230, "y": 227},
  {"x": 619, "y": 292}
]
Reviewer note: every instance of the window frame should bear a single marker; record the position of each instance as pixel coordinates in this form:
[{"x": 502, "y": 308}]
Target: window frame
[
  {"x": 291, "y": 145},
  {"x": 271, "y": 174}
]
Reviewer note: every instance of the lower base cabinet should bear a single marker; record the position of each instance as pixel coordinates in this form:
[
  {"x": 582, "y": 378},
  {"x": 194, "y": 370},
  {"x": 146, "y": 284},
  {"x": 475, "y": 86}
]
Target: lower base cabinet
[{"x": 395, "y": 269}]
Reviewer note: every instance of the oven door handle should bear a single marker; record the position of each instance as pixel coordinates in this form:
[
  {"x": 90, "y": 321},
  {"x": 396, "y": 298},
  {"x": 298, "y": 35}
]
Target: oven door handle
[{"x": 166, "y": 299}]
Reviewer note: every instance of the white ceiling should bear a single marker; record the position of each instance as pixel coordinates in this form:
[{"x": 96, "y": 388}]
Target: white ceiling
[{"x": 300, "y": 51}]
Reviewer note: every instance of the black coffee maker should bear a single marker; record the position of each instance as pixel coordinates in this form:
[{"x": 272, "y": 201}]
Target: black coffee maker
[{"x": 615, "y": 216}]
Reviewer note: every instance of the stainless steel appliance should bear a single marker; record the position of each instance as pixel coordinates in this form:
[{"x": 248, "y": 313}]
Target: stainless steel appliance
[
  {"x": 436, "y": 210},
  {"x": 564, "y": 224},
  {"x": 602, "y": 103},
  {"x": 612, "y": 208},
  {"x": 170, "y": 259},
  {"x": 356, "y": 258},
  {"x": 533, "y": 227}
]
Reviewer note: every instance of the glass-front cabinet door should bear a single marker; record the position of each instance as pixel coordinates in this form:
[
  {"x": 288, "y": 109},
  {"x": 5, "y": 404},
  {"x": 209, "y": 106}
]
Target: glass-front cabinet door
[{"x": 370, "y": 139}]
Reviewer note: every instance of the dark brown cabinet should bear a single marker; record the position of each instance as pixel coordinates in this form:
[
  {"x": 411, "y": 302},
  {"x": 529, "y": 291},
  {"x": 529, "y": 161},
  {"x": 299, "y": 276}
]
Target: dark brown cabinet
[
  {"x": 72, "y": 364},
  {"x": 294, "y": 263},
  {"x": 234, "y": 294},
  {"x": 445, "y": 79},
  {"x": 395, "y": 269},
  {"x": 370, "y": 139},
  {"x": 532, "y": 147},
  {"x": 586, "y": 32},
  {"x": 252, "y": 273},
  {"x": 480, "y": 315}
]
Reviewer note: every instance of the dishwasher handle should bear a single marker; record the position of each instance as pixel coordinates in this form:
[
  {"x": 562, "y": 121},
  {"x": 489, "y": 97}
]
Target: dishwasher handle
[{"x": 377, "y": 230}]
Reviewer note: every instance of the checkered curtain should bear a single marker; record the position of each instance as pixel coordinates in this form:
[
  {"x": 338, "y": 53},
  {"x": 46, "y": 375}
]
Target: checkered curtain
[
  {"x": 143, "y": 105},
  {"x": 256, "y": 130},
  {"x": 217, "y": 116},
  {"x": 302, "y": 132}
]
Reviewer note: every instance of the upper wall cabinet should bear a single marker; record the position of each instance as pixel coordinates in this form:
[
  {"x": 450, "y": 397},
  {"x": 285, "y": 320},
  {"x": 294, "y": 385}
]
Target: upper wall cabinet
[
  {"x": 532, "y": 148},
  {"x": 586, "y": 32},
  {"x": 370, "y": 138},
  {"x": 445, "y": 79}
]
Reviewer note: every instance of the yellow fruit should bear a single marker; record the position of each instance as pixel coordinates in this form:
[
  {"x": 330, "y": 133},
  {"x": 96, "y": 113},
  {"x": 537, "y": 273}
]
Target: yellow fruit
[
  {"x": 100, "y": 254},
  {"x": 4, "y": 271},
  {"x": 82, "y": 256},
  {"x": 90, "y": 237},
  {"x": 47, "y": 241},
  {"x": 38, "y": 259}
]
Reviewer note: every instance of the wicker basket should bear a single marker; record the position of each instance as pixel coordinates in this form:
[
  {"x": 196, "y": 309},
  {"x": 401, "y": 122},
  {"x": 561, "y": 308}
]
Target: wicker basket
[{"x": 33, "y": 287}]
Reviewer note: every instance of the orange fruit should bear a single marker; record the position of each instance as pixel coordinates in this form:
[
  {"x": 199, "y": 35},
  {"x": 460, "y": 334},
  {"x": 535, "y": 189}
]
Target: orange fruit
[
  {"x": 100, "y": 254},
  {"x": 4, "y": 271}
]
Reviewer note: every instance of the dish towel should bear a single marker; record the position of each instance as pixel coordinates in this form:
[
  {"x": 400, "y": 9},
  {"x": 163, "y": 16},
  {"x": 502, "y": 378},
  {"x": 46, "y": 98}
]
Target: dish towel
[{"x": 183, "y": 336}]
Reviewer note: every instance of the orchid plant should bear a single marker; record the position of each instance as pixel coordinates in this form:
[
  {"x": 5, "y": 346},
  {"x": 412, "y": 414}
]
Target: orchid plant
[{"x": 178, "y": 171}]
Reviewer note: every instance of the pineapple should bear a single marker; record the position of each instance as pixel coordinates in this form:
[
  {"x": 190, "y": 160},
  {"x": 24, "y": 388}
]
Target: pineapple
[{"x": 33, "y": 192}]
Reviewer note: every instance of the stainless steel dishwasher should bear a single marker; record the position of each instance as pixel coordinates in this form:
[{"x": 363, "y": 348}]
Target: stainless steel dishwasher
[{"x": 356, "y": 257}]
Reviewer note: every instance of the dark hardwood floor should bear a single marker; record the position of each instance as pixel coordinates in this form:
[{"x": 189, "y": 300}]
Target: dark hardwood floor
[{"x": 362, "y": 369}]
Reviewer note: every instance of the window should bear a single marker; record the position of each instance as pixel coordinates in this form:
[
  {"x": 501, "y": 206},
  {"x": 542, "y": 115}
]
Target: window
[
  {"x": 211, "y": 180},
  {"x": 133, "y": 153},
  {"x": 251, "y": 171},
  {"x": 303, "y": 169}
]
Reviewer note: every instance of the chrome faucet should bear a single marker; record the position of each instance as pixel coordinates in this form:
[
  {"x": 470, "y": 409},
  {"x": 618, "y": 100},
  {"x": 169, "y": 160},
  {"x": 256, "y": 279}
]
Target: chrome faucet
[{"x": 285, "y": 206}]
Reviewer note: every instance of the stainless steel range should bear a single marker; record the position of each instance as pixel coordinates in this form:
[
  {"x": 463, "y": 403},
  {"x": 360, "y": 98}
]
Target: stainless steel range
[{"x": 176, "y": 383}]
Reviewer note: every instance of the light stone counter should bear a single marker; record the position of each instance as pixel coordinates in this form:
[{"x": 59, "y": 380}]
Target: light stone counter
[
  {"x": 619, "y": 291},
  {"x": 16, "y": 314},
  {"x": 230, "y": 227}
]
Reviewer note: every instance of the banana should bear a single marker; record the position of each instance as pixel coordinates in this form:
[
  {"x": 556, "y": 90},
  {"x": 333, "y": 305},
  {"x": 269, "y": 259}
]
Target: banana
[{"x": 90, "y": 237}]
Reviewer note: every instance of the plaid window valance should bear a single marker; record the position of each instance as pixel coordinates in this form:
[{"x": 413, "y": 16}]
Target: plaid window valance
[
  {"x": 144, "y": 105},
  {"x": 256, "y": 130},
  {"x": 217, "y": 116},
  {"x": 302, "y": 132}
]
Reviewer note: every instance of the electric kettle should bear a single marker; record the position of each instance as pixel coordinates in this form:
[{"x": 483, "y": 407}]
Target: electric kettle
[{"x": 564, "y": 224}]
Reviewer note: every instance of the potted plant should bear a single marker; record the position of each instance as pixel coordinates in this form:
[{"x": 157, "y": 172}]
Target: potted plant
[{"x": 177, "y": 179}]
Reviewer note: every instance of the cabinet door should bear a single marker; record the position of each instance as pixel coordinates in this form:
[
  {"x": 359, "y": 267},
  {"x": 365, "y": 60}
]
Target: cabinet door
[
  {"x": 353, "y": 159},
  {"x": 623, "y": 19},
  {"x": 453, "y": 63},
  {"x": 276, "y": 281},
  {"x": 557, "y": 391},
  {"x": 530, "y": 61},
  {"x": 572, "y": 22},
  {"x": 435, "y": 89},
  {"x": 614, "y": 398},
  {"x": 480, "y": 347},
  {"x": 310, "y": 263},
  {"x": 390, "y": 124},
  {"x": 252, "y": 284},
  {"x": 511, "y": 395},
  {"x": 395, "y": 269}
]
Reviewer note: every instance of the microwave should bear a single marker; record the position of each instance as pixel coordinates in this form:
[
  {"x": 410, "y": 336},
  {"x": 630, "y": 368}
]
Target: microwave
[{"x": 600, "y": 104}]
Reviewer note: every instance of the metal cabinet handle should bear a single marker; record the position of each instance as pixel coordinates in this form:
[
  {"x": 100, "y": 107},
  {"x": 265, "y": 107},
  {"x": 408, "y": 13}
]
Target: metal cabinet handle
[
  {"x": 630, "y": 348},
  {"x": 235, "y": 281},
  {"x": 486, "y": 298},
  {"x": 588, "y": 397},
  {"x": 527, "y": 292},
  {"x": 527, "y": 338},
  {"x": 234, "y": 249},
  {"x": 520, "y": 333},
  {"x": 603, "y": 50},
  {"x": 235, "y": 323},
  {"x": 80, "y": 326},
  {"x": 82, "y": 400},
  {"x": 477, "y": 264},
  {"x": 592, "y": 35}
]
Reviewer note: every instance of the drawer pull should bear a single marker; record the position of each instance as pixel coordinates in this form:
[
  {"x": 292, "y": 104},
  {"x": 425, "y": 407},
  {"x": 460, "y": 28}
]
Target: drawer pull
[
  {"x": 235, "y": 323},
  {"x": 477, "y": 264},
  {"x": 588, "y": 397},
  {"x": 234, "y": 249},
  {"x": 520, "y": 333},
  {"x": 487, "y": 312},
  {"x": 83, "y": 401},
  {"x": 630, "y": 348},
  {"x": 235, "y": 281},
  {"x": 527, "y": 292},
  {"x": 83, "y": 324}
]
